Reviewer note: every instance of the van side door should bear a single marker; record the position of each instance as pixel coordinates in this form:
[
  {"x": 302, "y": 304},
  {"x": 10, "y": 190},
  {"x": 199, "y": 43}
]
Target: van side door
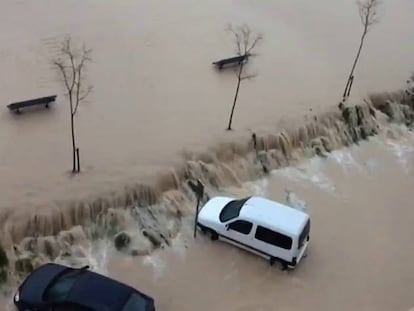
[
  {"x": 275, "y": 244},
  {"x": 239, "y": 232}
]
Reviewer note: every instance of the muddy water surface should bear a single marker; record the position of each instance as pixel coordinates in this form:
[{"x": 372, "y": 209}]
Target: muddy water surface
[
  {"x": 155, "y": 93},
  {"x": 359, "y": 257}
]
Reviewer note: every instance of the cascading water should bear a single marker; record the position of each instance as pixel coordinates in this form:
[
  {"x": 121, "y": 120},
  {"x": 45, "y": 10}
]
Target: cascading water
[{"x": 145, "y": 217}]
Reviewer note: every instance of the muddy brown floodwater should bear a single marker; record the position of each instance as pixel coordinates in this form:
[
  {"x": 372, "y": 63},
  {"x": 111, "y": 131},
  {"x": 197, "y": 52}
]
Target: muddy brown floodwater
[
  {"x": 157, "y": 95},
  {"x": 360, "y": 255}
]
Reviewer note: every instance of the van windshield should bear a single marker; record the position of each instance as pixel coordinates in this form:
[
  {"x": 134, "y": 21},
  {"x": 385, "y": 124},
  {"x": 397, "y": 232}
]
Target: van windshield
[
  {"x": 304, "y": 234},
  {"x": 232, "y": 209}
]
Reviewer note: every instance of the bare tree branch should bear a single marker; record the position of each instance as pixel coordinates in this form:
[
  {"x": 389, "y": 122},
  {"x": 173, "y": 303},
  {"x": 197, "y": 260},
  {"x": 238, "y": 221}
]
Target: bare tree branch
[
  {"x": 60, "y": 65},
  {"x": 84, "y": 94},
  {"x": 243, "y": 39},
  {"x": 79, "y": 96},
  {"x": 67, "y": 52},
  {"x": 368, "y": 12},
  {"x": 255, "y": 42},
  {"x": 237, "y": 38},
  {"x": 245, "y": 31}
]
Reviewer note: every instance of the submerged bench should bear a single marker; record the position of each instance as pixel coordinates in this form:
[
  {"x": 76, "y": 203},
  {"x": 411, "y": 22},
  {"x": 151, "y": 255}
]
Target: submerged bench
[
  {"x": 32, "y": 102},
  {"x": 231, "y": 60}
]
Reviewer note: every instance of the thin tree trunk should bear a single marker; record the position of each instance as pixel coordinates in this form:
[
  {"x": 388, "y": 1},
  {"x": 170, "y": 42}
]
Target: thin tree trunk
[
  {"x": 78, "y": 160},
  {"x": 351, "y": 81},
  {"x": 73, "y": 142},
  {"x": 347, "y": 90},
  {"x": 235, "y": 96}
]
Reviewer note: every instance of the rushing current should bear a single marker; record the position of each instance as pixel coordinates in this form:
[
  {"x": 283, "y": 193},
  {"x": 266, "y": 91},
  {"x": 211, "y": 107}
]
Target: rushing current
[{"x": 359, "y": 256}]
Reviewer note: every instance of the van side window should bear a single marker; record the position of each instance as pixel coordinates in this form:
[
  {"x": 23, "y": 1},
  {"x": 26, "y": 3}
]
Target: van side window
[
  {"x": 241, "y": 226},
  {"x": 272, "y": 237}
]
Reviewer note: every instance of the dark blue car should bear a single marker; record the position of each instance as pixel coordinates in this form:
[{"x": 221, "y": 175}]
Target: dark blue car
[{"x": 54, "y": 287}]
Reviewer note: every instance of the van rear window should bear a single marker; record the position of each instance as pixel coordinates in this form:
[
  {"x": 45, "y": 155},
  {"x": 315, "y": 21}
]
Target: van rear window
[{"x": 272, "y": 237}]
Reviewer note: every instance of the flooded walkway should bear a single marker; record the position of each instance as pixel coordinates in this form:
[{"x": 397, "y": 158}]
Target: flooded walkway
[{"x": 359, "y": 256}]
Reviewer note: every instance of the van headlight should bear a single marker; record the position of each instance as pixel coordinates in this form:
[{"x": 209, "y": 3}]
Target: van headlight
[{"x": 17, "y": 296}]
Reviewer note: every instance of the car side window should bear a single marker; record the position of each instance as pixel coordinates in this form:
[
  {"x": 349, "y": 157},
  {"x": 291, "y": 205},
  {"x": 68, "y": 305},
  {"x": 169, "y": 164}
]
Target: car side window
[
  {"x": 58, "y": 290},
  {"x": 135, "y": 303},
  {"x": 272, "y": 237},
  {"x": 66, "y": 307},
  {"x": 241, "y": 226}
]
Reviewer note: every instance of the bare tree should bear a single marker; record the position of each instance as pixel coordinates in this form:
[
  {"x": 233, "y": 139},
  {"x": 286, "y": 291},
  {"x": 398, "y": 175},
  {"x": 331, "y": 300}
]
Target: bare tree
[
  {"x": 71, "y": 64},
  {"x": 368, "y": 12},
  {"x": 245, "y": 42}
]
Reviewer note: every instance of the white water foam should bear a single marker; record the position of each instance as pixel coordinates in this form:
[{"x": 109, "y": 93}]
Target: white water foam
[
  {"x": 180, "y": 243},
  {"x": 157, "y": 263},
  {"x": 373, "y": 166},
  {"x": 346, "y": 159},
  {"x": 403, "y": 151},
  {"x": 311, "y": 172},
  {"x": 293, "y": 200},
  {"x": 99, "y": 255}
]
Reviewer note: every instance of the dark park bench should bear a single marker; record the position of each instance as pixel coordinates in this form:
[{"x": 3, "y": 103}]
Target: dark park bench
[
  {"x": 32, "y": 102},
  {"x": 233, "y": 60}
]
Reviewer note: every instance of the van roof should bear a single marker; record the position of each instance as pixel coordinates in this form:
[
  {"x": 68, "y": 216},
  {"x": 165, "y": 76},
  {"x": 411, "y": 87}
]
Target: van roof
[{"x": 274, "y": 215}]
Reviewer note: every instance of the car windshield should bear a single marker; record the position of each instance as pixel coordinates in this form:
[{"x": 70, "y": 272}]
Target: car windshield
[
  {"x": 135, "y": 302},
  {"x": 60, "y": 288},
  {"x": 232, "y": 209}
]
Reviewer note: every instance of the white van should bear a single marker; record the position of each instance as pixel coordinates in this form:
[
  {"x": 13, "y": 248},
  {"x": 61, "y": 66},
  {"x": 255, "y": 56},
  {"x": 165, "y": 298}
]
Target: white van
[{"x": 269, "y": 229}]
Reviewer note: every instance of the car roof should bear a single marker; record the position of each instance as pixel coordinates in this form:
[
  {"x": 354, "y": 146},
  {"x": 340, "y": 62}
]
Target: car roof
[
  {"x": 274, "y": 215},
  {"x": 92, "y": 290}
]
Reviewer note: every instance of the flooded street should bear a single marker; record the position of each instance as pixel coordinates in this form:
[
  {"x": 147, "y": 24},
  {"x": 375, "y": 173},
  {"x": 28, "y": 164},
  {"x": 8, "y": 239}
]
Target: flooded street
[{"x": 359, "y": 257}]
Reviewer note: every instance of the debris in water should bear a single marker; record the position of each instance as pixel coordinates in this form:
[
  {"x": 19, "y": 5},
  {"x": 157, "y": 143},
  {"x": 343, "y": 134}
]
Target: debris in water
[
  {"x": 4, "y": 263},
  {"x": 24, "y": 265},
  {"x": 122, "y": 240}
]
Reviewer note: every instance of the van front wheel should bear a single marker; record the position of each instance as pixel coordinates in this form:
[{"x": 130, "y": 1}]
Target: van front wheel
[
  {"x": 203, "y": 229},
  {"x": 284, "y": 264},
  {"x": 213, "y": 235}
]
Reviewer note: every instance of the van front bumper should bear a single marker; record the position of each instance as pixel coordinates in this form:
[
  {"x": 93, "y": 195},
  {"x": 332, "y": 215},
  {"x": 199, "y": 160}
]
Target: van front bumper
[{"x": 301, "y": 254}]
